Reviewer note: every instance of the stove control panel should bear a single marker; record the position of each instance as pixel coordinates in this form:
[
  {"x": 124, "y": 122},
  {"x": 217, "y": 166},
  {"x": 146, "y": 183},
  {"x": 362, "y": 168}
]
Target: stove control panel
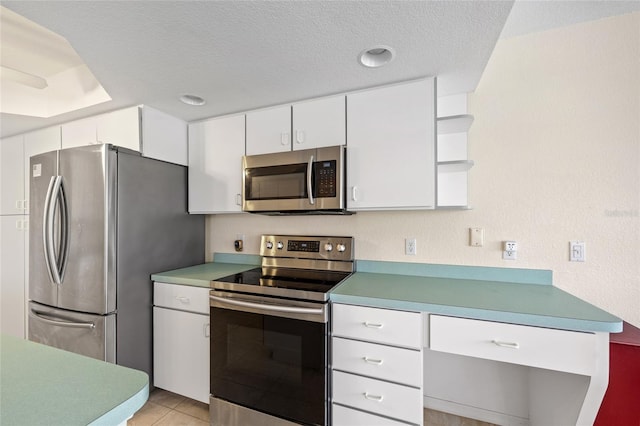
[{"x": 307, "y": 247}]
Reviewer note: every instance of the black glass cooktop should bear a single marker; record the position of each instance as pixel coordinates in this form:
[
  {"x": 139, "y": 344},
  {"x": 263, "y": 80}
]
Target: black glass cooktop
[{"x": 281, "y": 281}]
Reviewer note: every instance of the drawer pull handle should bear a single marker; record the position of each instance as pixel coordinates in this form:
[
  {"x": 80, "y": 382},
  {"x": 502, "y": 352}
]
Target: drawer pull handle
[
  {"x": 511, "y": 345},
  {"x": 183, "y": 299},
  {"x": 376, "y": 398},
  {"x": 372, "y": 324},
  {"x": 372, "y": 360}
]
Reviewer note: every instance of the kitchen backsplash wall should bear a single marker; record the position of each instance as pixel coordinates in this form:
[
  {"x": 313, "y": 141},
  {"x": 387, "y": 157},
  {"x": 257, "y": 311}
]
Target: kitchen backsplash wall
[{"x": 556, "y": 141}]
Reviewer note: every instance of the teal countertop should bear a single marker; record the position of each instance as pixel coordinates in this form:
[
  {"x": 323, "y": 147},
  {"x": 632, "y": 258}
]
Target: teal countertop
[
  {"x": 201, "y": 275},
  {"x": 494, "y": 297},
  {"x": 41, "y": 385},
  {"x": 512, "y": 295}
]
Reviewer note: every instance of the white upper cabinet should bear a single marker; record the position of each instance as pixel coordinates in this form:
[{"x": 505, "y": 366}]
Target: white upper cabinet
[
  {"x": 12, "y": 200},
  {"x": 216, "y": 148},
  {"x": 35, "y": 143},
  {"x": 164, "y": 137},
  {"x": 311, "y": 124},
  {"x": 269, "y": 130},
  {"x": 143, "y": 129},
  {"x": 79, "y": 132},
  {"x": 391, "y": 140},
  {"x": 319, "y": 123}
]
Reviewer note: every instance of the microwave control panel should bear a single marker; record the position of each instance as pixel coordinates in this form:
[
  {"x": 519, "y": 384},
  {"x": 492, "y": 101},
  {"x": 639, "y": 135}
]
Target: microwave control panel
[{"x": 325, "y": 174}]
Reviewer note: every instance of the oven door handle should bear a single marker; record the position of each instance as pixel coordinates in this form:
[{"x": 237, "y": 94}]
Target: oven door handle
[{"x": 275, "y": 308}]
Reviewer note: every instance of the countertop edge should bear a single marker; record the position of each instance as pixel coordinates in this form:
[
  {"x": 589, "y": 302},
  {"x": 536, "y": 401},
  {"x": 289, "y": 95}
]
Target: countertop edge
[
  {"x": 120, "y": 414},
  {"x": 482, "y": 314}
]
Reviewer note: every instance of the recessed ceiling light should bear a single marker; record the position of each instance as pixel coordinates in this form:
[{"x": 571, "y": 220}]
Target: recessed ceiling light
[
  {"x": 376, "y": 56},
  {"x": 192, "y": 100}
]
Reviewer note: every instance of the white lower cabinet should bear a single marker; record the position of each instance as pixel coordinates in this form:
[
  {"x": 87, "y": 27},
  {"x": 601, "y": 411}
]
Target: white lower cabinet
[
  {"x": 376, "y": 366},
  {"x": 181, "y": 340},
  {"x": 514, "y": 374},
  {"x": 350, "y": 417},
  {"x": 13, "y": 236}
]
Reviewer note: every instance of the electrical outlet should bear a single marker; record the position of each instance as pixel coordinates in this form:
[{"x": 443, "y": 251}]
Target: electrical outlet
[
  {"x": 577, "y": 251},
  {"x": 509, "y": 255},
  {"x": 410, "y": 246},
  {"x": 510, "y": 246},
  {"x": 510, "y": 250}
]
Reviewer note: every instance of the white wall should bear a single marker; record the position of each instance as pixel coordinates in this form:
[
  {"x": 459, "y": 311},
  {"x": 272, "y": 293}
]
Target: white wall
[{"x": 556, "y": 141}]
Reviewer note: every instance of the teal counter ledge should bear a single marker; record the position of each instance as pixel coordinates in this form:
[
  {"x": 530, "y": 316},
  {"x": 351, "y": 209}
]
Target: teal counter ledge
[
  {"x": 41, "y": 385},
  {"x": 201, "y": 275},
  {"x": 518, "y": 296}
]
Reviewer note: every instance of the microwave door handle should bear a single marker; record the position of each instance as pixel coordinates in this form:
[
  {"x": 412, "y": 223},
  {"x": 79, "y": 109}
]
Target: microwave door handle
[{"x": 309, "y": 183}]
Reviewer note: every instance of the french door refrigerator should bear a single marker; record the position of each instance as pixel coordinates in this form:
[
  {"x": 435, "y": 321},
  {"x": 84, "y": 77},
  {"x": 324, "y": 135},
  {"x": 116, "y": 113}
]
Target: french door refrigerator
[{"x": 102, "y": 220}]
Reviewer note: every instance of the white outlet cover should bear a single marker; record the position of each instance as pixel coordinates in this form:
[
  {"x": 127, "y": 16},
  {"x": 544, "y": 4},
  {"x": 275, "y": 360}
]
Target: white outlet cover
[{"x": 509, "y": 255}]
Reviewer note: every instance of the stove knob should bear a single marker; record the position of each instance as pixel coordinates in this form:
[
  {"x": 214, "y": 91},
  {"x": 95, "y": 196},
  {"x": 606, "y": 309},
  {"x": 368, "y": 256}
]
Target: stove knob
[
  {"x": 280, "y": 245},
  {"x": 269, "y": 245},
  {"x": 341, "y": 247},
  {"x": 328, "y": 246}
]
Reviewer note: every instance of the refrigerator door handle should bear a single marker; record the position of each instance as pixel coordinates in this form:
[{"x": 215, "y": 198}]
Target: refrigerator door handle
[
  {"x": 47, "y": 234},
  {"x": 63, "y": 244},
  {"x": 39, "y": 316},
  {"x": 56, "y": 260}
]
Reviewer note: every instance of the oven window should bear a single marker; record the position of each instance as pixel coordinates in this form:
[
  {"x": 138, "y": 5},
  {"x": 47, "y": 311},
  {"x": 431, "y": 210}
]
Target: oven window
[
  {"x": 270, "y": 364},
  {"x": 276, "y": 182}
]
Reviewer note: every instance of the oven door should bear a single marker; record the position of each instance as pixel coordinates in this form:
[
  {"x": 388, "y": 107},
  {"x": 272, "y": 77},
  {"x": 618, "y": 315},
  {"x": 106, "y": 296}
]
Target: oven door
[
  {"x": 269, "y": 363},
  {"x": 306, "y": 180}
]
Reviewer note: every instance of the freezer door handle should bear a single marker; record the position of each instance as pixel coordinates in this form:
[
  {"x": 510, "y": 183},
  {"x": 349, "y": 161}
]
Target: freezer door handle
[
  {"x": 56, "y": 234},
  {"x": 40, "y": 316}
]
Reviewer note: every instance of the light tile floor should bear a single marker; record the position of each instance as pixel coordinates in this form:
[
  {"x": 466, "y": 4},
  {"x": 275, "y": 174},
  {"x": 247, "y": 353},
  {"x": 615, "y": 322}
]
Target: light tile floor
[{"x": 169, "y": 409}]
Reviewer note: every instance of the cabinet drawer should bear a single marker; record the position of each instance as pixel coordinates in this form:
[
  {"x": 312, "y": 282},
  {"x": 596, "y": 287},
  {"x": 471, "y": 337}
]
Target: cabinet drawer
[
  {"x": 343, "y": 416},
  {"x": 397, "y": 328},
  {"x": 561, "y": 350},
  {"x": 378, "y": 361},
  {"x": 396, "y": 401},
  {"x": 183, "y": 297}
]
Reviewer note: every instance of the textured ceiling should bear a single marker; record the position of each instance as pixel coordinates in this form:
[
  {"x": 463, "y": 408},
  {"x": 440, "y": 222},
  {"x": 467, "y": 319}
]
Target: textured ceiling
[{"x": 241, "y": 55}]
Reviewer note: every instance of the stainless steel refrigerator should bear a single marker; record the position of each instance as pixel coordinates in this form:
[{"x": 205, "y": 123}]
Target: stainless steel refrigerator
[{"x": 102, "y": 220}]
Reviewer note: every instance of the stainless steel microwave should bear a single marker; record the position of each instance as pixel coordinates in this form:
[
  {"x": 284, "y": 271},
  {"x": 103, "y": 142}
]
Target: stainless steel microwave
[{"x": 311, "y": 181}]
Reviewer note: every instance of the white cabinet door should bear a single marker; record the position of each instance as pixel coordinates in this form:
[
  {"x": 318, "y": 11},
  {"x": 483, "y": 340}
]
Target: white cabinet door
[
  {"x": 269, "y": 130},
  {"x": 391, "y": 139},
  {"x": 35, "y": 143},
  {"x": 377, "y": 396},
  {"x": 343, "y": 416},
  {"x": 12, "y": 199},
  {"x": 120, "y": 128},
  {"x": 319, "y": 123},
  {"x": 164, "y": 137},
  {"x": 79, "y": 132},
  {"x": 216, "y": 148},
  {"x": 387, "y": 326},
  {"x": 12, "y": 277},
  {"x": 181, "y": 353}
]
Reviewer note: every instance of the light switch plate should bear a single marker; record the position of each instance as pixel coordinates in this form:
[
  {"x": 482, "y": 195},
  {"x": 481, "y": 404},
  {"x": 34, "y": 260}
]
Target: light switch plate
[
  {"x": 476, "y": 237},
  {"x": 577, "y": 251}
]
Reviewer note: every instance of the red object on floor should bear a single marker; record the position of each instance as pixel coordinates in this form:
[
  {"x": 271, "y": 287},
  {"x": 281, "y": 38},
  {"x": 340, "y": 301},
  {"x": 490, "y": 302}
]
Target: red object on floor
[{"x": 621, "y": 403}]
